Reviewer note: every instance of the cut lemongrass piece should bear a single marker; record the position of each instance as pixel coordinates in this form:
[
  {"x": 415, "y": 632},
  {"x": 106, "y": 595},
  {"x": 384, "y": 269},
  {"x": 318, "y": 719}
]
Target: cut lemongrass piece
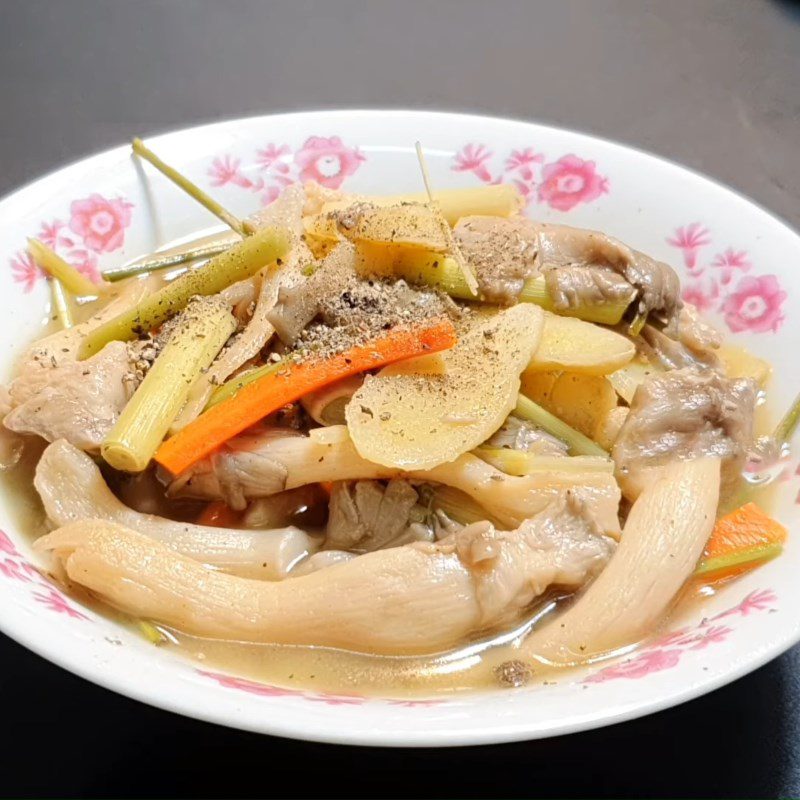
[
  {"x": 751, "y": 556},
  {"x": 243, "y": 228},
  {"x": 60, "y": 303},
  {"x": 442, "y": 272},
  {"x": 466, "y": 269},
  {"x": 243, "y": 260},
  {"x": 786, "y": 427},
  {"x": 56, "y": 267},
  {"x": 229, "y": 388},
  {"x": 499, "y": 200},
  {"x": 638, "y": 322},
  {"x": 199, "y": 336},
  {"x": 458, "y": 505},
  {"x": 151, "y": 633},
  {"x": 169, "y": 260},
  {"x": 610, "y": 313},
  {"x": 578, "y": 444},
  {"x": 519, "y": 463}
]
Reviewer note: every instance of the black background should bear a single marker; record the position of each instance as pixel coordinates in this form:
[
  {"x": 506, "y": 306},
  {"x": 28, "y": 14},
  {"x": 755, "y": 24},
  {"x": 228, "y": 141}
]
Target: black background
[{"x": 715, "y": 84}]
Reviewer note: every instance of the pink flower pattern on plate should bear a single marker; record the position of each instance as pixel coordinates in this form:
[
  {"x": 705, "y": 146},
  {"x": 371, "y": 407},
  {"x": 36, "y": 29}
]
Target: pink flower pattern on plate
[
  {"x": 268, "y": 690},
  {"x": 701, "y": 298},
  {"x": 274, "y": 156},
  {"x": 730, "y": 261},
  {"x": 14, "y": 567},
  {"x": 570, "y": 181},
  {"x": 639, "y": 666},
  {"x": 327, "y": 160},
  {"x": 473, "y": 158},
  {"x": 754, "y": 304},
  {"x": 562, "y": 184},
  {"x": 665, "y": 652},
  {"x": 100, "y": 222},
  {"x": 690, "y": 239},
  {"x": 25, "y": 270},
  {"x": 523, "y": 161},
  {"x": 97, "y": 225},
  {"x": 54, "y": 600}
]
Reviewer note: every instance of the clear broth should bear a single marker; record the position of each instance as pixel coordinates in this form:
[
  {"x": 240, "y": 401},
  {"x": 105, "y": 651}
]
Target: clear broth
[{"x": 469, "y": 668}]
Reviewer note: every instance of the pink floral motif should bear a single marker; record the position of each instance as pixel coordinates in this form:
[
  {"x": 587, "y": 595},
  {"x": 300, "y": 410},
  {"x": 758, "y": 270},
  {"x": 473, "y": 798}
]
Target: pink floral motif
[
  {"x": 690, "y": 239},
  {"x": 758, "y": 600},
  {"x": 522, "y": 162},
  {"x": 100, "y": 222},
  {"x": 6, "y": 545},
  {"x": 711, "y": 635},
  {"x": 25, "y": 270},
  {"x": 226, "y": 169},
  {"x": 327, "y": 160},
  {"x": 699, "y": 297},
  {"x": 679, "y": 637},
  {"x": 271, "y": 194},
  {"x": 730, "y": 261},
  {"x": 638, "y": 667},
  {"x": 665, "y": 651},
  {"x": 570, "y": 181},
  {"x": 755, "y": 305},
  {"x": 86, "y": 263},
  {"x": 267, "y": 690},
  {"x": 50, "y": 233},
  {"x": 472, "y": 158},
  {"x": 274, "y": 157},
  {"x": 53, "y": 599},
  {"x": 13, "y": 570}
]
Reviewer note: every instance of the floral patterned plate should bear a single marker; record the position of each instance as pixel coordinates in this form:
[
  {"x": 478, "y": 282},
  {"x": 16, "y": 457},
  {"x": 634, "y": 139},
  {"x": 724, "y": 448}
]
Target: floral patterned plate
[{"x": 738, "y": 264}]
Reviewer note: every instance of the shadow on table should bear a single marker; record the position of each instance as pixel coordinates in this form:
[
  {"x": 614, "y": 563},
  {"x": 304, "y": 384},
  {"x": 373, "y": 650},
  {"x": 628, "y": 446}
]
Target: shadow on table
[{"x": 78, "y": 740}]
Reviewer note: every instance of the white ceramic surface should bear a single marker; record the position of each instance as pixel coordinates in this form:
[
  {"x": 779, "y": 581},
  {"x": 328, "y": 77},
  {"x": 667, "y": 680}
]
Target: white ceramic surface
[{"x": 737, "y": 261}]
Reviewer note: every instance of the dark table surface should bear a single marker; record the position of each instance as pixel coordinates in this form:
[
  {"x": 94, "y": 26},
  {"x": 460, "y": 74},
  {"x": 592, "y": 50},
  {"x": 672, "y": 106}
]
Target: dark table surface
[{"x": 714, "y": 84}]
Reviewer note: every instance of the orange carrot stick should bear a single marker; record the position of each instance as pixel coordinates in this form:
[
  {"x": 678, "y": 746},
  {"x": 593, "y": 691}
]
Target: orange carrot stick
[
  {"x": 740, "y": 541},
  {"x": 274, "y": 390}
]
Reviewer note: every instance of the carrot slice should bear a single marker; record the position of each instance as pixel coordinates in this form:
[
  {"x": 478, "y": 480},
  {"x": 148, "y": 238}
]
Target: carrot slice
[
  {"x": 274, "y": 390},
  {"x": 740, "y": 541},
  {"x": 219, "y": 515}
]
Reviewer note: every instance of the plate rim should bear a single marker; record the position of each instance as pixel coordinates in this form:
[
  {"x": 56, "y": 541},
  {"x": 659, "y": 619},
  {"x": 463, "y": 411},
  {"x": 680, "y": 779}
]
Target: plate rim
[{"x": 288, "y": 726}]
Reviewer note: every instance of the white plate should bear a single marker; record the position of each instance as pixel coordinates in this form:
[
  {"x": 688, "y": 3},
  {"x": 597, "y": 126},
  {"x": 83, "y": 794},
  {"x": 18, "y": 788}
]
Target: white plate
[{"x": 737, "y": 261}]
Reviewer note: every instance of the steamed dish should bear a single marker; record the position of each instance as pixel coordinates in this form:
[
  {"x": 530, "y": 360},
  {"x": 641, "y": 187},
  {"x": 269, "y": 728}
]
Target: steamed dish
[{"x": 412, "y": 429}]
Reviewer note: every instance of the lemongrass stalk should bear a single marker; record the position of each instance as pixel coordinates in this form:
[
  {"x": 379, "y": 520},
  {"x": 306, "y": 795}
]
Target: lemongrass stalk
[
  {"x": 162, "y": 262},
  {"x": 442, "y": 272},
  {"x": 243, "y": 260},
  {"x": 608, "y": 313},
  {"x": 500, "y": 200},
  {"x": 56, "y": 267},
  {"x": 145, "y": 420},
  {"x": 786, "y": 427},
  {"x": 520, "y": 463},
  {"x": 61, "y": 303},
  {"x": 231, "y": 387},
  {"x": 578, "y": 444},
  {"x": 638, "y": 322},
  {"x": 458, "y": 505},
  {"x": 751, "y": 555},
  {"x": 194, "y": 191},
  {"x": 151, "y": 633},
  {"x": 467, "y": 272}
]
